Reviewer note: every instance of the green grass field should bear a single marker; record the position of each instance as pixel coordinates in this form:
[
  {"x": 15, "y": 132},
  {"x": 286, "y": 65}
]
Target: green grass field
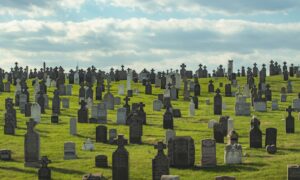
[{"x": 257, "y": 164}]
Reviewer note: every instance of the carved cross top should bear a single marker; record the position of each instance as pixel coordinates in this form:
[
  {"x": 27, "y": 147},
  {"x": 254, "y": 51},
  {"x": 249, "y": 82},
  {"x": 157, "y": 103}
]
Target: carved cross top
[{"x": 160, "y": 146}]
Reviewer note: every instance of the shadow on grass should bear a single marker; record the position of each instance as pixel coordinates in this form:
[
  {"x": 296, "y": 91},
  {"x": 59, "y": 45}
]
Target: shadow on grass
[
  {"x": 289, "y": 149},
  {"x": 85, "y": 137},
  {"x": 67, "y": 171},
  {"x": 232, "y": 168},
  {"x": 18, "y": 170}
]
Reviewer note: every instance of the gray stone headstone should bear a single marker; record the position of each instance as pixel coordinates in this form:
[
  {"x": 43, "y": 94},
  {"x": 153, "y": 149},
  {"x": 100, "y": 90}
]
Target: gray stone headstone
[
  {"x": 293, "y": 172},
  {"x": 157, "y": 105},
  {"x": 208, "y": 153},
  {"x": 70, "y": 151},
  {"x": 31, "y": 145},
  {"x": 65, "y": 103},
  {"x": 233, "y": 154},
  {"x": 73, "y": 126},
  {"x": 121, "y": 116}
]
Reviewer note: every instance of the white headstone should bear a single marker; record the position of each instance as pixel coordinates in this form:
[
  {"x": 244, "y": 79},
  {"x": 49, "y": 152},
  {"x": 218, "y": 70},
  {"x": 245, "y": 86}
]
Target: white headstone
[
  {"x": 121, "y": 89},
  {"x": 211, "y": 123},
  {"x": 88, "y": 145},
  {"x": 36, "y": 112},
  {"x": 157, "y": 105},
  {"x": 192, "y": 108},
  {"x": 230, "y": 125},
  {"x": 170, "y": 133}
]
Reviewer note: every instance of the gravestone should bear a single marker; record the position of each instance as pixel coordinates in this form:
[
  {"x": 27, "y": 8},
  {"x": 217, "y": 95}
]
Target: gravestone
[
  {"x": 211, "y": 123},
  {"x": 176, "y": 113},
  {"x": 169, "y": 177},
  {"x": 44, "y": 172},
  {"x": 120, "y": 161},
  {"x": 31, "y": 145},
  {"x": 82, "y": 113},
  {"x": 101, "y": 161},
  {"x": 181, "y": 152},
  {"x": 170, "y": 133},
  {"x": 157, "y": 105},
  {"x": 73, "y": 126},
  {"x": 271, "y": 136},
  {"x": 121, "y": 89},
  {"x": 69, "y": 150},
  {"x": 218, "y": 133},
  {"x": 233, "y": 154},
  {"x": 192, "y": 108},
  {"x": 112, "y": 135},
  {"x": 121, "y": 116},
  {"x": 160, "y": 163},
  {"x": 218, "y": 103},
  {"x": 296, "y": 104},
  {"x": 260, "y": 106},
  {"x": 54, "y": 118},
  {"x": 228, "y": 92},
  {"x": 290, "y": 121},
  {"x": 69, "y": 90},
  {"x": 117, "y": 100},
  {"x": 168, "y": 119},
  {"x": 275, "y": 105},
  {"x": 88, "y": 145},
  {"x": 242, "y": 108},
  {"x": 101, "y": 134},
  {"x": 283, "y": 95},
  {"x": 5, "y": 154},
  {"x": 109, "y": 99},
  {"x": 271, "y": 149},
  {"x": 255, "y": 134},
  {"x": 65, "y": 103},
  {"x": 208, "y": 158},
  {"x": 36, "y": 112},
  {"x": 135, "y": 130},
  {"x": 293, "y": 172}
]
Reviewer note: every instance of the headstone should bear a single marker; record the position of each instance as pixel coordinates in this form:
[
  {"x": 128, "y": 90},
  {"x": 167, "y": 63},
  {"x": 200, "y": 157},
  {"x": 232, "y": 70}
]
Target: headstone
[
  {"x": 36, "y": 112},
  {"x": 160, "y": 163},
  {"x": 82, "y": 113},
  {"x": 120, "y": 161},
  {"x": 218, "y": 103},
  {"x": 135, "y": 130},
  {"x": 181, "y": 151},
  {"x": 260, "y": 106},
  {"x": 121, "y": 89},
  {"x": 290, "y": 121},
  {"x": 101, "y": 161},
  {"x": 211, "y": 123},
  {"x": 88, "y": 145},
  {"x": 293, "y": 172},
  {"x": 31, "y": 145},
  {"x": 121, "y": 116},
  {"x": 70, "y": 151},
  {"x": 225, "y": 178},
  {"x": 296, "y": 104},
  {"x": 44, "y": 172},
  {"x": 218, "y": 133},
  {"x": 168, "y": 119},
  {"x": 208, "y": 158},
  {"x": 101, "y": 134},
  {"x": 233, "y": 154},
  {"x": 242, "y": 108},
  {"x": 169, "y": 177},
  {"x": 157, "y": 105},
  {"x": 192, "y": 108},
  {"x": 73, "y": 126},
  {"x": 112, "y": 135},
  {"x": 170, "y": 133},
  {"x": 255, "y": 134},
  {"x": 5, "y": 154},
  {"x": 275, "y": 105},
  {"x": 65, "y": 103}
]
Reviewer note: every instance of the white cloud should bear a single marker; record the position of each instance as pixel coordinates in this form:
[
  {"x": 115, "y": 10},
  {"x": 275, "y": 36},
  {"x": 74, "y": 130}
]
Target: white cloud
[{"x": 141, "y": 42}]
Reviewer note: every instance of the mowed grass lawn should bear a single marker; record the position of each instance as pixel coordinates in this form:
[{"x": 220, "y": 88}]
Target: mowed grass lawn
[{"x": 257, "y": 163}]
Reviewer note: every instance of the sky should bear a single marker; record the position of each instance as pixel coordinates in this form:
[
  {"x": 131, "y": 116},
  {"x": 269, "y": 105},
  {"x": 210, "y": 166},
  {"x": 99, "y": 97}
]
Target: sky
[{"x": 159, "y": 34}]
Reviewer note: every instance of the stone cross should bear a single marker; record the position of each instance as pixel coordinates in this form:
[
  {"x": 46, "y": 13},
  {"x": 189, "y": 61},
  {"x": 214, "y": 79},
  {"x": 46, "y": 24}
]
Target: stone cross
[
  {"x": 160, "y": 146},
  {"x": 121, "y": 141},
  {"x": 169, "y": 85},
  {"x": 122, "y": 67},
  {"x": 45, "y": 161},
  {"x": 218, "y": 91},
  {"x": 182, "y": 65},
  {"x": 290, "y": 110},
  {"x": 142, "y": 105}
]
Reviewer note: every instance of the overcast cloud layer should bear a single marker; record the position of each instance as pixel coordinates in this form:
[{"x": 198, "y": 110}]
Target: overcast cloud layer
[{"x": 152, "y": 34}]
